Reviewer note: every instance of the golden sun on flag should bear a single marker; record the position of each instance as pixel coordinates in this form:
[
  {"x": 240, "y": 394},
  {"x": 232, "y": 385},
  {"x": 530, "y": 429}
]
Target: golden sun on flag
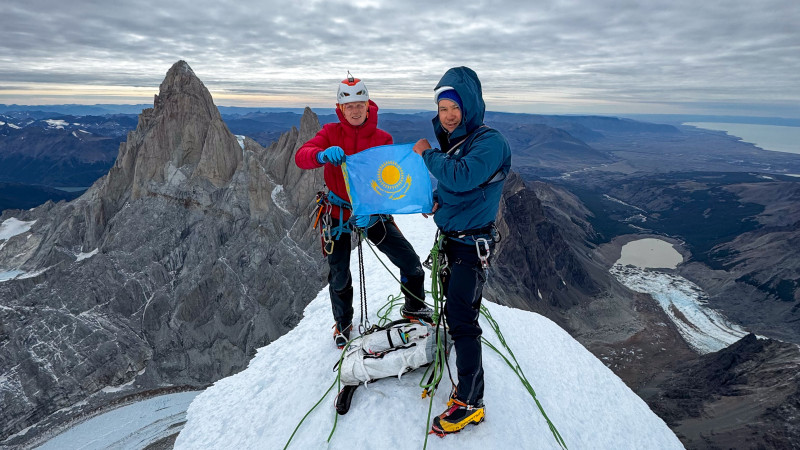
[{"x": 392, "y": 182}]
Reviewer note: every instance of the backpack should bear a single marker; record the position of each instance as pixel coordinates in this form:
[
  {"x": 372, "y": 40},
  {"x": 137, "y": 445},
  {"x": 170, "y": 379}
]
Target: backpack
[
  {"x": 389, "y": 351},
  {"x": 394, "y": 350}
]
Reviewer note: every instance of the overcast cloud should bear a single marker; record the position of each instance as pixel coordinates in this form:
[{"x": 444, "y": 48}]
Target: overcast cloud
[{"x": 698, "y": 56}]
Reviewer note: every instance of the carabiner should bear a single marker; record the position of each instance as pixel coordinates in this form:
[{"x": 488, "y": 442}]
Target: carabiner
[{"x": 484, "y": 257}]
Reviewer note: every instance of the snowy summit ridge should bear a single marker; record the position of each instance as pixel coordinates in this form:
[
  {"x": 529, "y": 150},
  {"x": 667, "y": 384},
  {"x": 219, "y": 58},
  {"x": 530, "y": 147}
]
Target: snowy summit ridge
[{"x": 261, "y": 406}]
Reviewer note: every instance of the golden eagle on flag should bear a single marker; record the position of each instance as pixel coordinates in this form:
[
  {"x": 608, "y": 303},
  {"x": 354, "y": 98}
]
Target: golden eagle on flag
[{"x": 389, "y": 179}]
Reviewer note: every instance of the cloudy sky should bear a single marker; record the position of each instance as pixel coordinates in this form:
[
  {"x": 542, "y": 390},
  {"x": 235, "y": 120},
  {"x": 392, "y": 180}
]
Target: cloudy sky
[{"x": 737, "y": 57}]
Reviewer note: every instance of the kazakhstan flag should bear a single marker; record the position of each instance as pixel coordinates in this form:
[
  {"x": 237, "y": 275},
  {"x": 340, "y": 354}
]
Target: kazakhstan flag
[{"x": 390, "y": 179}]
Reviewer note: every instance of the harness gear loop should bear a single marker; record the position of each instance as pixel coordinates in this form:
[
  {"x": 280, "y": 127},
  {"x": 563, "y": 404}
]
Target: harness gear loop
[{"x": 325, "y": 201}]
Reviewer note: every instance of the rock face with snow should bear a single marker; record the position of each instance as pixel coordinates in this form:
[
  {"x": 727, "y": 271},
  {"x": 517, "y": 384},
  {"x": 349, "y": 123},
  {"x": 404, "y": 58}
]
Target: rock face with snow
[{"x": 170, "y": 271}]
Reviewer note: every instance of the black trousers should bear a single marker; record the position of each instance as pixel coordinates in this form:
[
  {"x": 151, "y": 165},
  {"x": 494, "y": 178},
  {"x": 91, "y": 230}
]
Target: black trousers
[
  {"x": 386, "y": 236},
  {"x": 463, "y": 288}
]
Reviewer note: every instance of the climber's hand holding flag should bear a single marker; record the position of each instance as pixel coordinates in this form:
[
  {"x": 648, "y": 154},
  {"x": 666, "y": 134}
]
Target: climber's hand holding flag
[{"x": 389, "y": 179}]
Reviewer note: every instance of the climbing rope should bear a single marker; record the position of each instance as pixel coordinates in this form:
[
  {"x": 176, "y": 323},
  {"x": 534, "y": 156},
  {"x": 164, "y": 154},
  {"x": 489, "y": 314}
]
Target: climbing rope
[{"x": 364, "y": 325}]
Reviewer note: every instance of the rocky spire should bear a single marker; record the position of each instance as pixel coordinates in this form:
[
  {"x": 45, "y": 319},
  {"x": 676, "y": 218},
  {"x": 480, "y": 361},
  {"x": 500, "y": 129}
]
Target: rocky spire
[{"x": 183, "y": 132}]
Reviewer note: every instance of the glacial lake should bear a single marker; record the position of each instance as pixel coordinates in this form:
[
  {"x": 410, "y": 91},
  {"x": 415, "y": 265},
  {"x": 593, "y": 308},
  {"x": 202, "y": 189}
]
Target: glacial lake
[
  {"x": 650, "y": 253},
  {"x": 769, "y": 137}
]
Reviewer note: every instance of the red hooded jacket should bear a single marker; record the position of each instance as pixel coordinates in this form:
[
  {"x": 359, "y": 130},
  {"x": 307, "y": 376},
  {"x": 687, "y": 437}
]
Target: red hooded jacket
[{"x": 352, "y": 139}]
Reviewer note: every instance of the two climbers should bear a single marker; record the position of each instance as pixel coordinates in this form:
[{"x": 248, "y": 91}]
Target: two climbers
[
  {"x": 357, "y": 130},
  {"x": 470, "y": 167}
]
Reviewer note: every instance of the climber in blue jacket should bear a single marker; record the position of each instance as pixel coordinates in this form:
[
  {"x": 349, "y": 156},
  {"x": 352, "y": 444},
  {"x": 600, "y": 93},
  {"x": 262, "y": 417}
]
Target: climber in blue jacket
[{"x": 470, "y": 167}]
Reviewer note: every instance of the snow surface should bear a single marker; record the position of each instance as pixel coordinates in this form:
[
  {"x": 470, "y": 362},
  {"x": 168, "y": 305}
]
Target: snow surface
[
  {"x": 129, "y": 427},
  {"x": 10, "y": 275},
  {"x": 12, "y": 227},
  {"x": 81, "y": 256},
  {"x": 261, "y": 406},
  {"x": 279, "y": 198},
  {"x": 685, "y": 303},
  {"x": 16, "y": 127},
  {"x": 240, "y": 140}
]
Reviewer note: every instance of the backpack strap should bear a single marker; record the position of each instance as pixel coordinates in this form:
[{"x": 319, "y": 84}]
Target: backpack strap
[{"x": 498, "y": 174}]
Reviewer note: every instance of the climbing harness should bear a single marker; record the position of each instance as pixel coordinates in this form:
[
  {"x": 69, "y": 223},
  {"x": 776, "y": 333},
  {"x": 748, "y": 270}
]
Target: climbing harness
[
  {"x": 325, "y": 201},
  {"x": 481, "y": 238}
]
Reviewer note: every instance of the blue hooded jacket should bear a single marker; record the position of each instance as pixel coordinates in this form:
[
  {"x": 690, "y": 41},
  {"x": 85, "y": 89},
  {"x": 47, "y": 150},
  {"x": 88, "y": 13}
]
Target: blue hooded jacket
[{"x": 464, "y": 204}]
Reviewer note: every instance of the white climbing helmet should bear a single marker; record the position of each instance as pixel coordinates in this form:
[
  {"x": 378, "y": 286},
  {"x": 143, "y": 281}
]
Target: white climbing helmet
[{"x": 352, "y": 90}]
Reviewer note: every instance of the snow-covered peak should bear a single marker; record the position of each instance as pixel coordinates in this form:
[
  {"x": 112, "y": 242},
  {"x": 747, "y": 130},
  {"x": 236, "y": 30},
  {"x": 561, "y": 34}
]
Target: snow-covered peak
[{"x": 261, "y": 406}]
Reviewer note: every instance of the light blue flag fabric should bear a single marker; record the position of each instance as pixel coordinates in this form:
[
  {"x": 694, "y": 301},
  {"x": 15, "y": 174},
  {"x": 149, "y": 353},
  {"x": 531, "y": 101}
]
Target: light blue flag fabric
[{"x": 389, "y": 179}]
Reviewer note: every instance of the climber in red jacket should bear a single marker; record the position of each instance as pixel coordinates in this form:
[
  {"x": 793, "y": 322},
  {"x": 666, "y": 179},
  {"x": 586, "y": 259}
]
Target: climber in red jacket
[{"x": 358, "y": 130}]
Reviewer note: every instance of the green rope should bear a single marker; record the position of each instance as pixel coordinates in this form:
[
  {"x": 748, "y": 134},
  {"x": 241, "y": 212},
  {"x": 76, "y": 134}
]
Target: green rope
[
  {"x": 338, "y": 381},
  {"x": 309, "y": 412},
  {"x": 518, "y": 371},
  {"x": 385, "y": 311},
  {"x": 402, "y": 291}
]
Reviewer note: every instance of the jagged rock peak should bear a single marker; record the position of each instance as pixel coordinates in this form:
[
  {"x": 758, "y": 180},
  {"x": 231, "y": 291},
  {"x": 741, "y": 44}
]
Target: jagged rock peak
[
  {"x": 182, "y": 81},
  {"x": 309, "y": 121},
  {"x": 183, "y": 137}
]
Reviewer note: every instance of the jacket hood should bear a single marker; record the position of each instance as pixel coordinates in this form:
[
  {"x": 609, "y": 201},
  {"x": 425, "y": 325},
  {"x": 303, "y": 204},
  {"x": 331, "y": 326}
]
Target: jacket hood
[{"x": 465, "y": 81}]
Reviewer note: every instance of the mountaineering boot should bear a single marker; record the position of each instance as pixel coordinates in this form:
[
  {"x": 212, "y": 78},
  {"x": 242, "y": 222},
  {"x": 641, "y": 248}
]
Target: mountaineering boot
[
  {"x": 423, "y": 314},
  {"x": 457, "y": 416},
  {"x": 341, "y": 335}
]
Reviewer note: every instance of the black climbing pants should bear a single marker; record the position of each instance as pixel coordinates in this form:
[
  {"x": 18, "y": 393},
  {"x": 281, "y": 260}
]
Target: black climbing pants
[
  {"x": 463, "y": 288},
  {"x": 390, "y": 241}
]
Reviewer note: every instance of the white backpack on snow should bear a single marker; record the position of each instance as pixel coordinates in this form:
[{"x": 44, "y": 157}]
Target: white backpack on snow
[{"x": 400, "y": 347}]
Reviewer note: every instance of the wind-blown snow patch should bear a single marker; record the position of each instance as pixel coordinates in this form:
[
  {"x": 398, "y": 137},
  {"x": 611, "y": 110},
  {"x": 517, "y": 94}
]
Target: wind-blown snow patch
[
  {"x": 81, "y": 256},
  {"x": 13, "y": 226},
  {"x": 35, "y": 273},
  {"x": 56, "y": 123},
  {"x": 703, "y": 328},
  {"x": 261, "y": 406},
  {"x": 279, "y": 198}
]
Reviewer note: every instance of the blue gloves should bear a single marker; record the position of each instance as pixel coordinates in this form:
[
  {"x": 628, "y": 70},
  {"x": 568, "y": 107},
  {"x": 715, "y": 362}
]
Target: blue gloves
[
  {"x": 333, "y": 155},
  {"x": 361, "y": 221}
]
